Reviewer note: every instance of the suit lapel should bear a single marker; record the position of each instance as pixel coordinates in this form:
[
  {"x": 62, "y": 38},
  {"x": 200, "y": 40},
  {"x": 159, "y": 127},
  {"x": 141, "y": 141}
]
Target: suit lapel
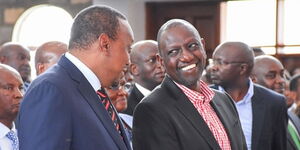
[
  {"x": 295, "y": 120},
  {"x": 92, "y": 99},
  {"x": 185, "y": 107},
  {"x": 226, "y": 119},
  {"x": 258, "y": 111}
]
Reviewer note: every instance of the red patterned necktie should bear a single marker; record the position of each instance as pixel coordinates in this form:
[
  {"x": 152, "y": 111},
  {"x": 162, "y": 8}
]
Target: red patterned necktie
[{"x": 108, "y": 106}]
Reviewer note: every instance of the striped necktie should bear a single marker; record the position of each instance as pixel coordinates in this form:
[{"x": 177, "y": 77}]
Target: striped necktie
[{"x": 109, "y": 107}]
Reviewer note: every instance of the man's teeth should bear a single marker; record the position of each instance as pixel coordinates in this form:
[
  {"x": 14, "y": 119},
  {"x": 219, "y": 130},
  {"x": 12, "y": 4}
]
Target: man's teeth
[{"x": 189, "y": 67}]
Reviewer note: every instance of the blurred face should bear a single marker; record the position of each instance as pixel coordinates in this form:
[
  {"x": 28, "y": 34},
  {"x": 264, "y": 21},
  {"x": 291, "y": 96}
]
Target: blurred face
[
  {"x": 150, "y": 67},
  {"x": 118, "y": 94},
  {"x": 183, "y": 55},
  {"x": 19, "y": 59},
  {"x": 52, "y": 58},
  {"x": 11, "y": 88},
  {"x": 225, "y": 69},
  {"x": 120, "y": 49},
  {"x": 271, "y": 75}
]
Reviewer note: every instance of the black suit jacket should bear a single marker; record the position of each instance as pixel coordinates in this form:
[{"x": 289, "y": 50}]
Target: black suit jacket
[
  {"x": 296, "y": 121},
  {"x": 61, "y": 111},
  {"x": 167, "y": 120},
  {"x": 269, "y": 120},
  {"x": 133, "y": 99}
]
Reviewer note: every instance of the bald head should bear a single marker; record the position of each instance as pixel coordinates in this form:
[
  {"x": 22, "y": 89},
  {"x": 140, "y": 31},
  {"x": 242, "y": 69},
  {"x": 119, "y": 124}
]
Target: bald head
[
  {"x": 269, "y": 72},
  {"x": 48, "y": 54},
  {"x": 146, "y": 66},
  {"x": 16, "y": 56},
  {"x": 172, "y": 24},
  {"x": 236, "y": 52},
  {"x": 141, "y": 48},
  {"x": 10, "y": 70}
]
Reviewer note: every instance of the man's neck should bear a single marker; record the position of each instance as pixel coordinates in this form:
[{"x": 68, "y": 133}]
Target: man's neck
[
  {"x": 8, "y": 123},
  {"x": 237, "y": 92}
]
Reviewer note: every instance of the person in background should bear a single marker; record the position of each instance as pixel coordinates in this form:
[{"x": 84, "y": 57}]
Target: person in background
[
  {"x": 183, "y": 113},
  {"x": 11, "y": 93},
  {"x": 262, "y": 112},
  {"x": 118, "y": 94},
  {"x": 258, "y": 51},
  {"x": 66, "y": 107},
  {"x": 48, "y": 54},
  {"x": 17, "y": 56},
  {"x": 147, "y": 71},
  {"x": 295, "y": 88},
  {"x": 269, "y": 72}
]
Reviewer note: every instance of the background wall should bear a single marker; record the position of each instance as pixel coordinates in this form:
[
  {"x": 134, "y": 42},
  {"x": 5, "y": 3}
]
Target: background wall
[
  {"x": 135, "y": 13},
  {"x": 11, "y": 10}
]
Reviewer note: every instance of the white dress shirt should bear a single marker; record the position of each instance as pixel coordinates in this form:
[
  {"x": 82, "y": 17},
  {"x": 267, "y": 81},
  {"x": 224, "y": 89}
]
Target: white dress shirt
[
  {"x": 87, "y": 72},
  {"x": 5, "y": 142},
  {"x": 244, "y": 108},
  {"x": 143, "y": 90}
]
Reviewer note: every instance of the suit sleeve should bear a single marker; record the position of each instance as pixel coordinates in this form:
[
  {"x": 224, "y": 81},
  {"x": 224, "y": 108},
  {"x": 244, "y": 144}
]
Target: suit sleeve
[
  {"x": 152, "y": 130},
  {"x": 44, "y": 120},
  {"x": 280, "y": 138}
]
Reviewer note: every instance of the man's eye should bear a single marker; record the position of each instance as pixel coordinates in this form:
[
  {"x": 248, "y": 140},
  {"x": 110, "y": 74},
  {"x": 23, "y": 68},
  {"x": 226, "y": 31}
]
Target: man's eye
[
  {"x": 152, "y": 60},
  {"x": 173, "y": 52},
  {"x": 193, "y": 46},
  {"x": 270, "y": 76}
]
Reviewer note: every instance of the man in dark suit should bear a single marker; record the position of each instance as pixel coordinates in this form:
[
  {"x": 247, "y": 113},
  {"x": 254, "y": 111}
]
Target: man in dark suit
[
  {"x": 268, "y": 71},
  {"x": 147, "y": 71},
  {"x": 61, "y": 109},
  {"x": 183, "y": 113},
  {"x": 262, "y": 112}
]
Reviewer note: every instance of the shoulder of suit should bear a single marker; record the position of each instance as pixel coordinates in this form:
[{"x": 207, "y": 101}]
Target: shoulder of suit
[{"x": 265, "y": 94}]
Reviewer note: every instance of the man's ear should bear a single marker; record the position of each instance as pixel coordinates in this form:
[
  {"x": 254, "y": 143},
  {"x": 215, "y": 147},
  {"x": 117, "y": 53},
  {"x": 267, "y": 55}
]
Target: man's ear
[
  {"x": 244, "y": 68},
  {"x": 203, "y": 42},
  {"x": 134, "y": 69},
  {"x": 253, "y": 78},
  {"x": 40, "y": 68},
  {"x": 3, "y": 59},
  {"x": 104, "y": 42}
]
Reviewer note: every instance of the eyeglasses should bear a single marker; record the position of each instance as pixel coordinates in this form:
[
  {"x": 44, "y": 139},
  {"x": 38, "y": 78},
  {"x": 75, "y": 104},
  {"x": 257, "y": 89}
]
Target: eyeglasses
[
  {"x": 219, "y": 62},
  {"x": 118, "y": 86}
]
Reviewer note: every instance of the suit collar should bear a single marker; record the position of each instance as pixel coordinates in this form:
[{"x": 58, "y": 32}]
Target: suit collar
[
  {"x": 92, "y": 99},
  {"x": 184, "y": 106},
  {"x": 85, "y": 70}
]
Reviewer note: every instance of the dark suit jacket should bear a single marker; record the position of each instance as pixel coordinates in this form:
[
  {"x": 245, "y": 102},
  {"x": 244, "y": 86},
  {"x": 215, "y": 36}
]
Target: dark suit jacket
[
  {"x": 269, "y": 119},
  {"x": 133, "y": 99},
  {"x": 61, "y": 111},
  {"x": 296, "y": 121},
  {"x": 167, "y": 120}
]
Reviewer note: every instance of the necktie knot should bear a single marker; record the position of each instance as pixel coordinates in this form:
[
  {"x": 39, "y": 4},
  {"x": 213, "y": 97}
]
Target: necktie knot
[
  {"x": 102, "y": 93},
  {"x": 13, "y": 137}
]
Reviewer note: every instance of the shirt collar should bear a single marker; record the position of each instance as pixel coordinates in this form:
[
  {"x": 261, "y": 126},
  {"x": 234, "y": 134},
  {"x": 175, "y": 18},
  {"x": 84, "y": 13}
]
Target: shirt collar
[
  {"x": 143, "y": 90},
  {"x": 87, "y": 72},
  {"x": 205, "y": 94},
  {"x": 247, "y": 97},
  {"x": 4, "y": 129}
]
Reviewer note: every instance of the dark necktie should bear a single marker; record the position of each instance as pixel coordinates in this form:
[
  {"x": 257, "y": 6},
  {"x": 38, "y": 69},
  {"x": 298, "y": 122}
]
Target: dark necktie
[{"x": 108, "y": 106}]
